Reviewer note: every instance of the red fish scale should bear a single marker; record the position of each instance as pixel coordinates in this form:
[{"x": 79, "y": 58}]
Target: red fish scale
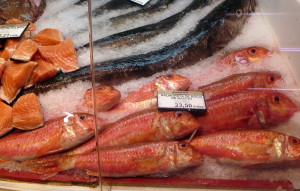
[
  {"x": 230, "y": 110},
  {"x": 146, "y": 126},
  {"x": 54, "y": 137},
  {"x": 246, "y": 145},
  {"x": 238, "y": 82},
  {"x": 246, "y": 109},
  {"x": 123, "y": 161}
]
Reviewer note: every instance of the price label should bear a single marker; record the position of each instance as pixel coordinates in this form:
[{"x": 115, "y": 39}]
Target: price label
[
  {"x": 181, "y": 100},
  {"x": 141, "y": 2},
  {"x": 12, "y": 30}
]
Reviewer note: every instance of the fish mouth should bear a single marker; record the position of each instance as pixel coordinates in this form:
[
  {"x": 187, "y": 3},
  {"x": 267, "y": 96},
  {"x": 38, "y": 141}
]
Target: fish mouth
[
  {"x": 270, "y": 53},
  {"x": 197, "y": 158}
]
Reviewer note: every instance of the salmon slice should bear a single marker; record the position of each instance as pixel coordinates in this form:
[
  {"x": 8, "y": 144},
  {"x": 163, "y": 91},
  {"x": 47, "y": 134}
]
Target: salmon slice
[
  {"x": 43, "y": 71},
  {"x": 48, "y": 37},
  {"x": 12, "y": 44},
  {"x": 2, "y": 67},
  {"x": 62, "y": 55},
  {"x": 6, "y": 118},
  {"x": 10, "y": 47},
  {"x": 15, "y": 77},
  {"x": 25, "y": 51},
  {"x": 27, "y": 113}
]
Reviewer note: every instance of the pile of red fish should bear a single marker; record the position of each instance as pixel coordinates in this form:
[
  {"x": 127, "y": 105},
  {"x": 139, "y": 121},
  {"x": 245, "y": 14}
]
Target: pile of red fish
[{"x": 137, "y": 139}]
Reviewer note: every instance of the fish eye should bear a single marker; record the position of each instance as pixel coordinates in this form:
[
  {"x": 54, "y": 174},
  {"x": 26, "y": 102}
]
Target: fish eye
[
  {"x": 276, "y": 98},
  {"x": 179, "y": 114},
  {"x": 272, "y": 78},
  {"x": 239, "y": 13},
  {"x": 253, "y": 51},
  {"x": 169, "y": 76},
  {"x": 294, "y": 140},
  {"x": 82, "y": 117},
  {"x": 100, "y": 88},
  {"x": 182, "y": 145}
]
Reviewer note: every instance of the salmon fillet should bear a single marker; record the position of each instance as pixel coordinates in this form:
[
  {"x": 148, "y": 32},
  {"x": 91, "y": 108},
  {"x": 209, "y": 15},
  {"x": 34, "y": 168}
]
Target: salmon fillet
[
  {"x": 6, "y": 118},
  {"x": 25, "y": 51},
  {"x": 62, "y": 55},
  {"x": 27, "y": 113},
  {"x": 43, "y": 71},
  {"x": 15, "y": 77},
  {"x": 48, "y": 37}
]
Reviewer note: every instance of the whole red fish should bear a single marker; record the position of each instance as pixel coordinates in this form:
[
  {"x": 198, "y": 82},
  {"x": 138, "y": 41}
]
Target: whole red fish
[
  {"x": 250, "y": 109},
  {"x": 245, "y": 56},
  {"x": 56, "y": 136},
  {"x": 250, "y": 147},
  {"x": 145, "y": 126},
  {"x": 144, "y": 98},
  {"x": 149, "y": 91},
  {"x": 106, "y": 98},
  {"x": 238, "y": 82},
  {"x": 125, "y": 161}
]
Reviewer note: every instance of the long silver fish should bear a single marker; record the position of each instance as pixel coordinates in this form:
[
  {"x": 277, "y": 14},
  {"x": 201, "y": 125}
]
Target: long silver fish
[{"x": 211, "y": 34}]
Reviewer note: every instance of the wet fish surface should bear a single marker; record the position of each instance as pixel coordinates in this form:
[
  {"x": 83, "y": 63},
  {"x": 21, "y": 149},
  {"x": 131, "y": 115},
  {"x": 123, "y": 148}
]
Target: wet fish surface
[
  {"x": 245, "y": 56},
  {"x": 143, "y": 33},
  {"x": 125, "y": 161},
  {"x": 142, "y": 99},
  {"x": 122, "y": 4},
  {"x": 145, "y": 126},
  {"x": 237, "y": 82},
  {"x": 212, "y": 33},
  {"x": 160, "y": 5},
  {"x": 250, "y": 148},
  {"x": 249, "y": 109},
  {"x": 106, "y": 98},
  {"x": 56, "y": 136}
]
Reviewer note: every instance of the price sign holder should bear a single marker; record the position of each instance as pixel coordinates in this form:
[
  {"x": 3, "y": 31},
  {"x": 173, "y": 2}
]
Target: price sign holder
[
  {"x": 181, "y": 100},
  {"x": 12, "y": 30},
  {"x": 141, "y": 2}
]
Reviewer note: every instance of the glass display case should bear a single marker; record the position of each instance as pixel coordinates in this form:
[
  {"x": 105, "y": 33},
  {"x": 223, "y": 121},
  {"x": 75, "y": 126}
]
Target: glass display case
[{"x": 170, "y": 94}]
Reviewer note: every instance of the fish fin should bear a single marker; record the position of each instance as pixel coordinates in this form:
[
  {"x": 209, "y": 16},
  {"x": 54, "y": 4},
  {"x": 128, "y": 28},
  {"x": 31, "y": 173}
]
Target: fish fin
[
  {"x": 251, "y": 165},
  {"x": 261, "y": 165},
  {"x": 51, "y": 146},
  {"x": 92, "y": 173},
  {"x": 257, "y": 121},
  {"x": 48, "y": 175}
]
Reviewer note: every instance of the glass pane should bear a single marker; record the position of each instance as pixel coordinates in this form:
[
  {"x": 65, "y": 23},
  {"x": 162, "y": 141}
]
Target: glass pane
[
  {"x": 184, "y": 94},
  {"x": 230, "y": 50}
]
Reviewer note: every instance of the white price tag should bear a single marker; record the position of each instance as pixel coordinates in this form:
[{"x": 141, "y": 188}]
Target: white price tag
[
  {"x": 141, "y": 2},
  {"x": 181, "y": 100},
  {"x": 12, "y": 30}
]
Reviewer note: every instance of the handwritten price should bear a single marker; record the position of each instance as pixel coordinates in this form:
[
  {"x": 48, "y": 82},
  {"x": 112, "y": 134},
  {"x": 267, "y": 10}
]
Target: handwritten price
[{"x": 4, "y": 35}]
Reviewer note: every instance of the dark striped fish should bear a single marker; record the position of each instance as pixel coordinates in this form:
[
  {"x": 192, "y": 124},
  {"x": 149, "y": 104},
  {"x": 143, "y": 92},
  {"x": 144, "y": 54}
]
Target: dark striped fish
[
  {"x": 124, "y": 4},
  {"x": 143, "y": 33},
  {"x": 211, "y": 34}
]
